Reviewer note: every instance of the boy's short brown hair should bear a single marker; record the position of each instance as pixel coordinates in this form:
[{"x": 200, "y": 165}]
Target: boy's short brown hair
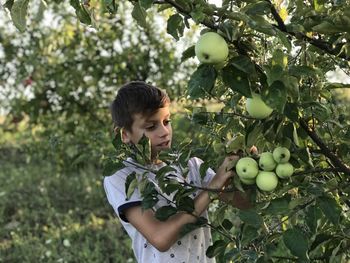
[{"x": 133, "y": 98}]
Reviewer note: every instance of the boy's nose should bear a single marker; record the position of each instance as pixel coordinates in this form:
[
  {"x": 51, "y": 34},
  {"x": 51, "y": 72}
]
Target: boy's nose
[{"x": 164, "y": 131}]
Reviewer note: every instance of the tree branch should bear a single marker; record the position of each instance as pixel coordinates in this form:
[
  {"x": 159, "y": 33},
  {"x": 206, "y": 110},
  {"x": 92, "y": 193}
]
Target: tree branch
[
  {"x": 321, "y": 170},
  {"x": 325, "y": 150},
  {"x": 321, "y": 44}
]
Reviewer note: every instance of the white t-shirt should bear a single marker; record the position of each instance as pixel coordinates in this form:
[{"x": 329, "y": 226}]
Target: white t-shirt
[{"x": 191, "y": 247}]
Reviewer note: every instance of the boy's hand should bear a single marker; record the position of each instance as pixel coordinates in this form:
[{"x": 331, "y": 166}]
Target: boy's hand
[{"x": 225, "y": 169}]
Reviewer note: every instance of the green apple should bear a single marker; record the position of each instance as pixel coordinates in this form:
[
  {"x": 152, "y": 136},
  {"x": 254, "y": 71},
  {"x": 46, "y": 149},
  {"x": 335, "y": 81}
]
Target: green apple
[
  {"x": 247, "y": 181},
  {"x": 281, "y": 154},
  {"x": 266, "y": 181},
  {"x": 257, "y": 108},
  {"x": 247, "y": 168},
  {"x": 266, "y": 161},
  {"x": 211, "y": 48},
  {"x": 220, "y": 65},
  {"x": 284, "y": 170}
]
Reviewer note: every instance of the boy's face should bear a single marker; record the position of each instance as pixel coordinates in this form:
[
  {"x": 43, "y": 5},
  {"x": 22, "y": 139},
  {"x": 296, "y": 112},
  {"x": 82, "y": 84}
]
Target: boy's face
[{"x": 156, "y": 127}]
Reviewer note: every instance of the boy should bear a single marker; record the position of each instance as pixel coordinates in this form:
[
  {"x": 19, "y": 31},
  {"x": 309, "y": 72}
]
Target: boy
[{"x": 141, "y": 109}]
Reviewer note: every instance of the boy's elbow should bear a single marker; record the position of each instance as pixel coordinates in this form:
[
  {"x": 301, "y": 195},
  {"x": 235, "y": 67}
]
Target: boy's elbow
[{"x": 161, "y": 244}]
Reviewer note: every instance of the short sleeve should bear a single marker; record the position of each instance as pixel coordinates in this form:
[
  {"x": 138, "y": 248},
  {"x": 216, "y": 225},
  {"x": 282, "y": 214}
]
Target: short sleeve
[
  {"x": 194, "y": 165},
  {"x": 114, "y": 186},
  {"x": 209, "y": 175}
]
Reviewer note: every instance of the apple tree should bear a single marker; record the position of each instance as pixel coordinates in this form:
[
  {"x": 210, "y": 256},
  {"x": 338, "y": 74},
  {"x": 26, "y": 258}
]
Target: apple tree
[
  {"x": 275, "y": 91},
  {"x": 269, "y": 65}
]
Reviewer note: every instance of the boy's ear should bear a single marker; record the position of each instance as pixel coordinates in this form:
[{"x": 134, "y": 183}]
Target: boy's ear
[{"x": 125, "y": 135}]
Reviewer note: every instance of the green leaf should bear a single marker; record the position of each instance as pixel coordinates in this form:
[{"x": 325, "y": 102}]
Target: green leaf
[
  {"x": 330, "y": 208},
  {"x": 337, "y": 86},
  {"x": 302, "y": 70},
  {"x": 82, "y": 14},
  {"x": 197, "y": 15},
  {"x": 291, "y": 111},
  {"x": 258, "y": 8},
  {"x": 296, "y": 242},
  {"x": 176, "y": 26},
  {"x": 320, "y": 238},
  {"x": 40, "y": 14},
  {"x": 326, "y": 27},
  {"x": 109, "y": 6},
  {"x": 318, "y": 110},
  {"x": 284, "y": 39},
  {"x": 238, "y": 183},
  {"x": 336, "y": 251},
  {"x": 164, "y": 212},
  {"x": 192, "y": 226},
  {"x": 171, "y": 188},
  {"x": 146, "y": 3},
  {"x": 18, "y": 14},
  {"x": 251, "y": 217},
  {"x": 202, "y": 81},
  {"x": 237, "y": 80},
  {"x": 260, "y": 24},
  {"x": 275, "y": 96},
  {"x": 188, "y": 53},
  {"x": 142, "y": 150},
  {"x": 274, "y": 73},
  {"x": 203, "y": 168},
  {"x": 8, "y": 4},
  {"x": 252, "y": 133},
  {"x": 186, "y": 203},
  {"x": 249, "y": 233},
  {"x": 226, "y": 224},
  {"x": 243, "y": 63},
  {"x": 217, "y": 248},
  {"x": 139, "y": 14},
  {"x": 150, "y": 195},
  {"x": 279, "y": 206},
  {"x": 292, "y": 86},
  {"x": 130, "y": 184},
  {"x": 75, "y": 4},
  {"x": 164, "y": 170}
]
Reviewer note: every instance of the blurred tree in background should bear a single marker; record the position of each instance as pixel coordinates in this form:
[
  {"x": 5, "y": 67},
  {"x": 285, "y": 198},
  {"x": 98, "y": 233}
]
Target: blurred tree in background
[{"x": 59, "y": 77}]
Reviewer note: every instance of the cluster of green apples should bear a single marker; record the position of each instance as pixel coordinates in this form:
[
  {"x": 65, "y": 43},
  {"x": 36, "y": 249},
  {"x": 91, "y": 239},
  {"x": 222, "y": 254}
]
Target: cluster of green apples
[{"x": 266, "y": 171}]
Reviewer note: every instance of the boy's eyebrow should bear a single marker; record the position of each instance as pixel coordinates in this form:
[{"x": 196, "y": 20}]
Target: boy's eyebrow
[{"x": 150, "y": 120}]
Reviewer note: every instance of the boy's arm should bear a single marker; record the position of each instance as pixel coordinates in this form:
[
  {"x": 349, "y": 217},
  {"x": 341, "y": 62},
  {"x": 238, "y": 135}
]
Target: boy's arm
[{"x": 163, "y": 234}]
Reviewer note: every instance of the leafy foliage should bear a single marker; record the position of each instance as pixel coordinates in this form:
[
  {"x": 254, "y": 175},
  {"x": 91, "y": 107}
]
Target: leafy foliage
[{"x": 283, "y": 50}]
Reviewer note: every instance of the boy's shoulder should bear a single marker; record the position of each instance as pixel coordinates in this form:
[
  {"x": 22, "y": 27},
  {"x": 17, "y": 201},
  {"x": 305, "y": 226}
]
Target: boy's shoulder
[
  {"x": 130, "y": 167},
  {"x": 195, "y": 162}
]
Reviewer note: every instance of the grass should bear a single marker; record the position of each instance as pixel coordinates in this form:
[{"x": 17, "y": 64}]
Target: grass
[{"x": 52, "y": 217}]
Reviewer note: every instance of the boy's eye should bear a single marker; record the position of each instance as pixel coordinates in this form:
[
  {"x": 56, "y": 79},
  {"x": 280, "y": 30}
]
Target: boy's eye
[
  {"x": 151, "y": 127},
  {"x": 167, "y": 122}
]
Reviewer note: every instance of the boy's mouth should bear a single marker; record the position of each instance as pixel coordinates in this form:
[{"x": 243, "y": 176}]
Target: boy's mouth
[{"x": 163, "y": 144}]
